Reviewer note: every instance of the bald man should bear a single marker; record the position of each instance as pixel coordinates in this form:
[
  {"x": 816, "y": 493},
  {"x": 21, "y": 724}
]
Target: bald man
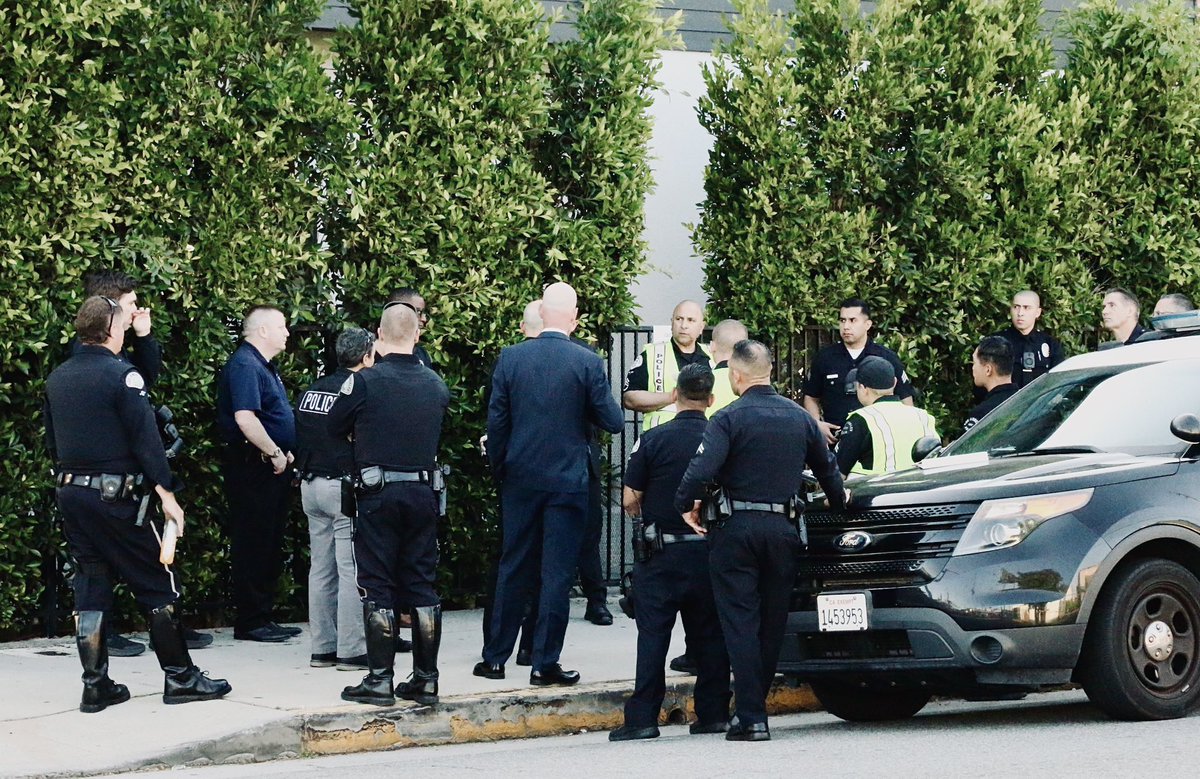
[
  {"x": 725, "y": 336},
  {"x": 546, "y": 394},
  {"x": 1034, "y": 351},
  {"x": 649, "y": 382}
]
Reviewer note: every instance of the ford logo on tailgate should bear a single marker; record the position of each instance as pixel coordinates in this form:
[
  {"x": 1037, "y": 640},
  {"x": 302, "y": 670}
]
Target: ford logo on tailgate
[{"x": 854, "y": 541}]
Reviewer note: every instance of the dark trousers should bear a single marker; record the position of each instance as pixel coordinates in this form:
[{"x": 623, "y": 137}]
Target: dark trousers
[
  {"x": 753, "y": 562},
  {"x": 533, "y": 519},
  {"x": 102, "y": 539},
  {"x": 395, "y": 546},
  {"x": 591, "y": 568},
  {"x": 258, "y": 501},
  {"x": 676, "y": 581}
]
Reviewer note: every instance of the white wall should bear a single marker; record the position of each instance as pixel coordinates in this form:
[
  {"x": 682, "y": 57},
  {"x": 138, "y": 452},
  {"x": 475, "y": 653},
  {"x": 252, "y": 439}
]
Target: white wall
[{"x": 679, "y": 151}]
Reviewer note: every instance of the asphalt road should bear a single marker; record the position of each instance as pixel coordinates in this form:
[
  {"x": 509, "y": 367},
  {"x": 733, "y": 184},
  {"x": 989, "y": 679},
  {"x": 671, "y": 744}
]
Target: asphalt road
[{"x": 1055, "y": 734}]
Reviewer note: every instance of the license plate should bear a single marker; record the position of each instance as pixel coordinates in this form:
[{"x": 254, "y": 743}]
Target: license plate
[{"x": 845, "y": 611}]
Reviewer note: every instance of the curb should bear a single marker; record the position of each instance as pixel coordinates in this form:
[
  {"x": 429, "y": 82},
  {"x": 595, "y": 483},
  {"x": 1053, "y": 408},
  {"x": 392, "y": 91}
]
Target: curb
[{"x": 464, "y": 719}]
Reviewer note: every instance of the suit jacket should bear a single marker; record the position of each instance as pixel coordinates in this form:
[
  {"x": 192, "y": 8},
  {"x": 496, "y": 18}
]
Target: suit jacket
[{"x": 546, "y": 394}]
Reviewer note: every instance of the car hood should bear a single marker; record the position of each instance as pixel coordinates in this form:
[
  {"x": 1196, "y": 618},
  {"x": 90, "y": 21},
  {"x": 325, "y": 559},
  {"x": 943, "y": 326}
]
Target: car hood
[{"x": 976, "y": 477}]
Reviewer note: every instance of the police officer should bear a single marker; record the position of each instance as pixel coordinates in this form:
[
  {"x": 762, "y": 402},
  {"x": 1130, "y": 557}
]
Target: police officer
[
  {"x": 756, "y": 449},
  {"x": 394, "y": 412},
  {"x": 407, "y": 296},
  {"x": 1034, "y": 351},
  {"x": 109, "y": 458},
  {"x": 879, "y": 437},
  {"x": 1119, "y": 314},
  {"x": 991, "y": 371},
  {"x": 829, "y": 393},
  {"x": 649, "y": 382},
  {"x": 324, "y": 465},
  {"x": 675, "y": 579},
  {"x": 725, "y": 336}
]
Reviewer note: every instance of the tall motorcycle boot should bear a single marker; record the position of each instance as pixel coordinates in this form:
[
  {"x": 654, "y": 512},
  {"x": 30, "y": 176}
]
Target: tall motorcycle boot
[
  {"x": 184, "y": 682},
  {"x": 376, "y": 687},
  {"x": 99, "y": 692},
  {"x": 422, "y": 686}
]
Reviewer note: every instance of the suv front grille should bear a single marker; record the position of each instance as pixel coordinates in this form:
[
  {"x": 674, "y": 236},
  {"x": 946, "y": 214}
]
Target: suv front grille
[{"x": 891, "y": 546}]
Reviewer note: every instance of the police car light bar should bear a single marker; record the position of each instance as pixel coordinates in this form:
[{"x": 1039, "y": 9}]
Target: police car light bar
[{"x": 1176, "y": 323}]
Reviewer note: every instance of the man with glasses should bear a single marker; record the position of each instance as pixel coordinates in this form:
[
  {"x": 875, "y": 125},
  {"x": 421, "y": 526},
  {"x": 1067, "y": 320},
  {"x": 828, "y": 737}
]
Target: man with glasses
[{"x": 407, "y": 296}]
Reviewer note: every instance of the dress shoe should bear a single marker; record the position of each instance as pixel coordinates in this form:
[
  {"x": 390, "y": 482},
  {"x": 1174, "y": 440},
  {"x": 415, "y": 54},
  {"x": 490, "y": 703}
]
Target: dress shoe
[
  {"x": 403, "y": 645},
  {"x": 553, "y": 674},
  {"x": 489, "y": 670},
  {"x": 630, "y": 733},
  {"x": 323, "y": 659},
  {"x": 700, "y": 728},
  {"x": 287, "y": 630},
  {"x": 197, "y": 640},
  {"x": 524, "y": 657},
  {"x": 598, "y": 614},
  {"x": 356, "y": 663},
  {"x": 683, "y": 664},
  {"x": 754, "y": 731},
  {"x": 263, "y": 633},
  {"x": 119, "y": 646}
]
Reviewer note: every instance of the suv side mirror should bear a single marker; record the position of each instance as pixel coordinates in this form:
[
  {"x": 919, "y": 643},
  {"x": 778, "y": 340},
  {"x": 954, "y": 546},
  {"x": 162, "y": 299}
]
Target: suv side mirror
[
  {"x": 927, "y": 446},
  {"x": 1186, "y": 427}
]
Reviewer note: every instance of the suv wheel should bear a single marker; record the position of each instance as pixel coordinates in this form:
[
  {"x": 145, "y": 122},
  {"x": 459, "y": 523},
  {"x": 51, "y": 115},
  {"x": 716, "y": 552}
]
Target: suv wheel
[
  {"x": 862, "y": 704},
  {"x": 1141, "y": 660}
]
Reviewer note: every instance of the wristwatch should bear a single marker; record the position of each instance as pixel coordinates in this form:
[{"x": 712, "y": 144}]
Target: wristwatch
[{"x": 269, "y": 457}]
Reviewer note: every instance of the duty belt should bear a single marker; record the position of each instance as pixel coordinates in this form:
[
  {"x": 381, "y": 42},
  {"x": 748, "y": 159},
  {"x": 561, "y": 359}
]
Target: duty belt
[
  {"x": 749, "y": 505},
  {"x": 679, "y": 538},
  {"x": 110, "y": 485}
]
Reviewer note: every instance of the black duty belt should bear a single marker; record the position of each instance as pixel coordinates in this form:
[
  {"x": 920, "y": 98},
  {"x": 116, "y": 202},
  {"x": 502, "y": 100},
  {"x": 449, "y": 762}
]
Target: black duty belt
[
  {"x": 679, "y": 538},
  {"x": 310, "y": 475},
  {"x": 391, "y": 477},
  {"x": 109, "y": 485},
  {"x": 750, "y": 505}
]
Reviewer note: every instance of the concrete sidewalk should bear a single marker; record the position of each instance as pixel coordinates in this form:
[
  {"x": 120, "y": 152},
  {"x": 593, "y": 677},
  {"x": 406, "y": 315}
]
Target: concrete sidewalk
[{"x": 280, "y": 707}]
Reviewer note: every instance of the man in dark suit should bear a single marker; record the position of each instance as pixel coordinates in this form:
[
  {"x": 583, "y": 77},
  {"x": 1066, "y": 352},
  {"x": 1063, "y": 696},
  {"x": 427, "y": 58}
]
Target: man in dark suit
[{"x": 546, "y": 394}]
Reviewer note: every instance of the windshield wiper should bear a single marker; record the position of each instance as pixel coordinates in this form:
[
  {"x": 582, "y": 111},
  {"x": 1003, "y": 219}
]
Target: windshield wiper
[{"x": 1011, "y": 451}]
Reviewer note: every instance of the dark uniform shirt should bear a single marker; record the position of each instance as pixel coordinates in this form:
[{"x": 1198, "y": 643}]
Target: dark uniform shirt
[
  {"x": 995, "y": 396},
  {"x": 828, "y": 381},
  {"x": 756, "y": 448},
  {"x": 1138, "y": 332},
  {"x": 317, "y": 450},
  {"x": 142, "y": 351},
  {"x": 98, "y": 419},
  {"x": 657, "y": 464},
  {"x": 1033, "y": 354},
  {"x": 394, "y": 410},
  {"x": 423, "y": 356},
  {"x": 249, "y": 382},
  {"x": 638, "y": 377}
]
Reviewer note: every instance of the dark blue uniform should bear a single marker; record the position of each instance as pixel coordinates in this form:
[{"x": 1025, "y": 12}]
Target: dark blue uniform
[
  {"x": 674, "y": 581},
  {"x": 991, "y": 399},
  {"x": 318, "y": 451},
  {"x": 258, "y": 497},
  {"x": 1033, "y": 354},
  {"x": 756, "y": 448},
  {"x": 829, "y": 379}
]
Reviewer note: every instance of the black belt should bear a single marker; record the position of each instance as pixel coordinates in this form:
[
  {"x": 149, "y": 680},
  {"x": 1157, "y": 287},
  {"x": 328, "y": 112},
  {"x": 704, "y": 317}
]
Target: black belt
[
  {"x": 391, "y": 477},
  {"x": 750, "y": 505},
  {"x": 310, "y": 475},
  {"x": 679, "y": 538},
  {"x": 125, "y": 482}
]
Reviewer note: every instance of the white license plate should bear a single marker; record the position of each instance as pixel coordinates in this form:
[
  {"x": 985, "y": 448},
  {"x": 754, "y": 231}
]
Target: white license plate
[{"x": 845, "y": 611}]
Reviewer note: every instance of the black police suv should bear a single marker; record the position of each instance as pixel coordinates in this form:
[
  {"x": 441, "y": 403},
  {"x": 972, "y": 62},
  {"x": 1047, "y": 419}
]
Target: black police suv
[{"x": 1058, "y": 541}]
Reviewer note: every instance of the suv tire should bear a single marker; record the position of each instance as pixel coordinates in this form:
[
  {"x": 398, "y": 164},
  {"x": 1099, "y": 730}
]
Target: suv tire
[
  {"x": 862, "y": 704},
  {"x": 1141, "y": 659}
]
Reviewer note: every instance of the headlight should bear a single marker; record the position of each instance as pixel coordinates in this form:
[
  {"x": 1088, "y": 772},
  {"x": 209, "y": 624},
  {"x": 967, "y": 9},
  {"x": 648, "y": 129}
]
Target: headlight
[{"x": 998, "y": 524}]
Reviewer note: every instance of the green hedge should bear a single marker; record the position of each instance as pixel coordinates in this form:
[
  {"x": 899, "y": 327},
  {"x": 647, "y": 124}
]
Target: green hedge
[{"x": 930, "y": 159}]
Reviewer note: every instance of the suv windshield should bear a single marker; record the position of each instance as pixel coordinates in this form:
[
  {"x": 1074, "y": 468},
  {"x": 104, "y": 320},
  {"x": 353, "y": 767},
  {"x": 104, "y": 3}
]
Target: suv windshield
[{"x": 1120, "y": 408}]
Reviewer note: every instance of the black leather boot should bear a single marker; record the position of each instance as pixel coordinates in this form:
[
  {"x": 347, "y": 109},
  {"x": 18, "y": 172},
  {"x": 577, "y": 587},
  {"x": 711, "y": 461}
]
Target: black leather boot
[
  {"x": 185, "y": 682},
  {"x": 376, "y": 687},
  {"x": 99, "y": 692},
  {"x": 422, "y": 686}
]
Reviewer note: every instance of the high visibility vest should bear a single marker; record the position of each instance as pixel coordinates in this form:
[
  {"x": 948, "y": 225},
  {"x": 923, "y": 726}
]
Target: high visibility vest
[
  {"x": 894, "y": 428},
  {"x": 722, "y": 392},
  {"x": 663, "y": 372}
]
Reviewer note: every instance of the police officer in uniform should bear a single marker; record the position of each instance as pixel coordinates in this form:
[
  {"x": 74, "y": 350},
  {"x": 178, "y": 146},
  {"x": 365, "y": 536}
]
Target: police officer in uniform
[
  {"x": 725, "y": 336},
  {"x": 879, "y": 437},
  {"x": 756, "y": 449},
  {"x": 408, "y": 296},
  {"x": 649, "y": 382},
  {"x": 1034, "y": 351},
  {"x": 675, "y": 579},
  {"x": 991, "y": 371},
  {"x": 829, "y": 393},
  {"x": 394, "y": 412},
  {"x": 1120, "y": 314},
  {"x": 109, "y": 459}
]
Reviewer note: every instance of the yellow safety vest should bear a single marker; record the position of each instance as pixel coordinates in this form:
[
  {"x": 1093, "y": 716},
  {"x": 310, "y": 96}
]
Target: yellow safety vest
[
  {"x": 894, "y": 428},
  {"x": 663, "y": 372},
  {"x": 722, "y": 392}
]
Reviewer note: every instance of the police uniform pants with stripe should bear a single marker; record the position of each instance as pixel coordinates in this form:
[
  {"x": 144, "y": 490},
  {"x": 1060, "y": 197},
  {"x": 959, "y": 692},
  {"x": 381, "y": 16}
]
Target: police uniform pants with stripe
[
  {"x": 753, "y": 564},
  {"x": 676, "y": 581},
  {"x": 395, "y": 546},
  {"x": 103, "y": 537},
  {"x": 335, "y": 614}
]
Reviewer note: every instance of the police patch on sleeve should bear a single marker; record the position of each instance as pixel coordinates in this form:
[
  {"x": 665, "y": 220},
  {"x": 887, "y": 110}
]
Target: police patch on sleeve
[
  {"x": 636, "y": 444},
  {"x": 701, "y": 449},
  {"x": 347, "y": 385},
  {"x": 134, "y": 380}
]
